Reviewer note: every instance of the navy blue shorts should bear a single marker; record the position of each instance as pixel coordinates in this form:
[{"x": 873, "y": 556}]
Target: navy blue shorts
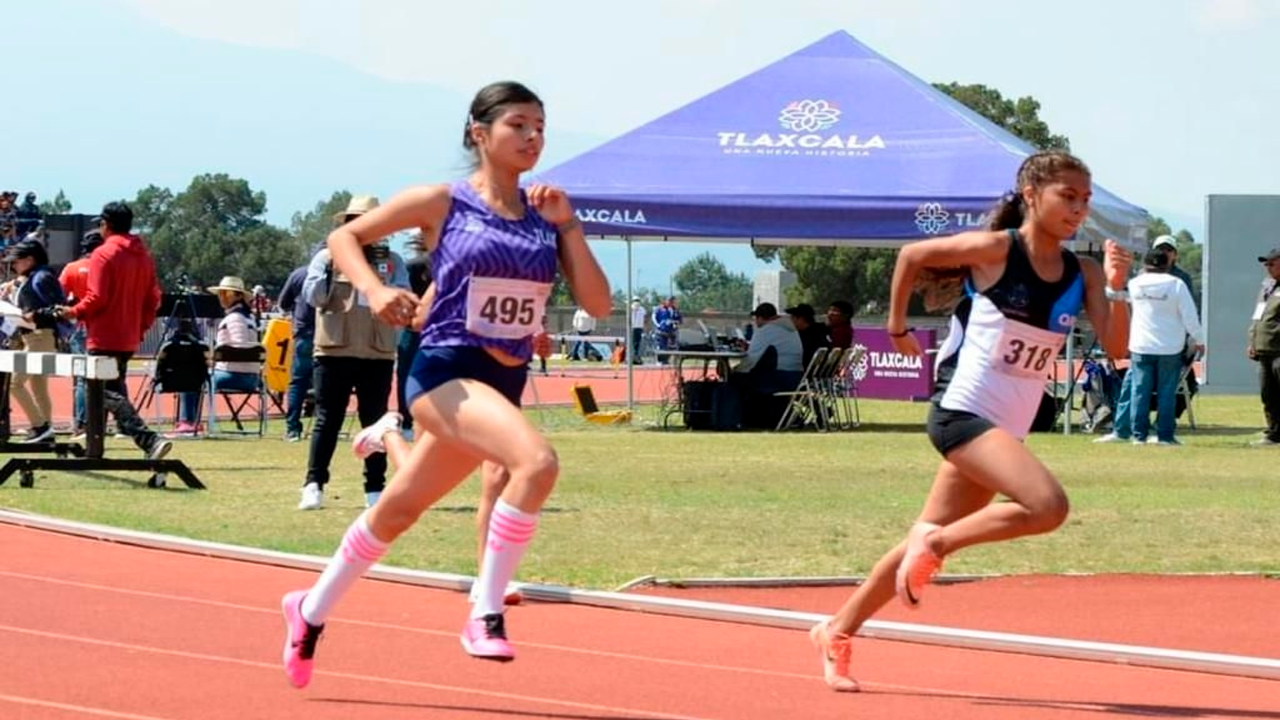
[
  {"x": 949, "y": 429},
  {"x": 433, "y": 367}
]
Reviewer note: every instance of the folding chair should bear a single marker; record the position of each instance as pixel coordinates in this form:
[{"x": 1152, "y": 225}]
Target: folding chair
[
  {"x": 237, "y": 401},
  {"x": 805, "y": 401},
  {"x": 845, "y": 389},
  {"x": 1184, "y": 389}
]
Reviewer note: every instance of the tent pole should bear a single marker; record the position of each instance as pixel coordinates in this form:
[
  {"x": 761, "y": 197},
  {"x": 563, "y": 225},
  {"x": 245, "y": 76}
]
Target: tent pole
[
  {"x": 626, "y": 340},
  {"x": 1071, "y": 369}
]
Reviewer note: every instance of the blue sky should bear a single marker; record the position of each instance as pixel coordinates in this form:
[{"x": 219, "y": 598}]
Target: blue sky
[{"x": 1168, "y": 101}]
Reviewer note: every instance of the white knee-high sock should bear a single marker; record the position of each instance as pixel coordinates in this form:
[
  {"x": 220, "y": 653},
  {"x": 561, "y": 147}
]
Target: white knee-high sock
[
  {"x": 510, "y": 530},
  {"x": 357, "y": 553}
]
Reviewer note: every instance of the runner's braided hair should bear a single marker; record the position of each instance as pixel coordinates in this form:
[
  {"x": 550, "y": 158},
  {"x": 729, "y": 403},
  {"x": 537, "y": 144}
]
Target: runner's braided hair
[{"x": 942, "y": 288}]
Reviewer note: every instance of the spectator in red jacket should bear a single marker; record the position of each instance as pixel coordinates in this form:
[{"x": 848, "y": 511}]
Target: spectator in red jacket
[{"x": 117, "y": 309}]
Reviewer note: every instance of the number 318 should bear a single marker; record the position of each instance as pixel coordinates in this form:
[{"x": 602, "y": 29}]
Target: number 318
[{"x": 1028, "y": 357}]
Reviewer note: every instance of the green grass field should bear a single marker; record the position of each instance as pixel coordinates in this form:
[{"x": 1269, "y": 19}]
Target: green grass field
[{"x": 637, "y": 501}]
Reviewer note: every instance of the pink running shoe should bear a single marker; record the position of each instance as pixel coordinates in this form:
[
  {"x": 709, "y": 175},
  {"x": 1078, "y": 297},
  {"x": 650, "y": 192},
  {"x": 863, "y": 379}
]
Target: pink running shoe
[
  {"x": 300, "y": 640},
  {"x": 369, "y": 440},
  {"x": 836, "y": 651},
  {"x": 486, "y": 638},
  {"x": 918, "y": 565}
]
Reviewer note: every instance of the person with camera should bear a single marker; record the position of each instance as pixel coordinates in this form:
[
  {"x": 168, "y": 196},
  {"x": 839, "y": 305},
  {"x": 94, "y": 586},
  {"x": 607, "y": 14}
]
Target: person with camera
[
  {"x": 354, "y": 351},
  {"x": 117, "y": 309},
  {"x": 38, "y": 294}
]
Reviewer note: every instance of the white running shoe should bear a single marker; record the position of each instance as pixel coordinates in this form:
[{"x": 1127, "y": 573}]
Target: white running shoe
[
  {"x": 369, "y": 440},
  {"x": 312, "y": 497}
]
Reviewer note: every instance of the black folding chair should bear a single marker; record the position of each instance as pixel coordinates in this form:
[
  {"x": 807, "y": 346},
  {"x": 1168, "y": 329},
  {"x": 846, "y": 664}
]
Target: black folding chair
[{"x": 238, "y": 401}]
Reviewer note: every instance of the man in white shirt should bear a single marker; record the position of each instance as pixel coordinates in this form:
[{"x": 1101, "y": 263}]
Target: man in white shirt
[
  {"x": 583, "y": 324},
  {"x": 1164, "y": 314},
  {"x": 776, "y": 331},
  {"x": 638, "y": 316}
]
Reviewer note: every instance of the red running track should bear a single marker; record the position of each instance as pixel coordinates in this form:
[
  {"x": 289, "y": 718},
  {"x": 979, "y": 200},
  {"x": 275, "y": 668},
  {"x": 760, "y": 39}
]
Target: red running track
[{"x": 92, "y": 629}]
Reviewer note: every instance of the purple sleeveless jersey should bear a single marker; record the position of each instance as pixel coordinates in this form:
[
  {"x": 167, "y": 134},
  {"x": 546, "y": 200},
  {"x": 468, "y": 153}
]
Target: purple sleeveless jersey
[{"x": 476, "y": 242}]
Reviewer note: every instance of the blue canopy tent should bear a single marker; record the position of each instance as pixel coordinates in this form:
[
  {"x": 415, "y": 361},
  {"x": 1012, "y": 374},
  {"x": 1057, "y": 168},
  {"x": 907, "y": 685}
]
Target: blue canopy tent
[{"x": 832, "y": 145}]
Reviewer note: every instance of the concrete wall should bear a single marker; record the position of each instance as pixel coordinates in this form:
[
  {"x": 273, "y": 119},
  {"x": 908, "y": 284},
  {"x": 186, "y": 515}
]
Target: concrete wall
[{"x": 1239, "y": 228}]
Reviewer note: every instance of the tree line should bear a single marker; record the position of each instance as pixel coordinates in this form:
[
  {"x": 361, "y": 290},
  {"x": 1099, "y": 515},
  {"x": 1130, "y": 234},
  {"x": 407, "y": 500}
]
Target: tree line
[{"x": 216, "y": 226}]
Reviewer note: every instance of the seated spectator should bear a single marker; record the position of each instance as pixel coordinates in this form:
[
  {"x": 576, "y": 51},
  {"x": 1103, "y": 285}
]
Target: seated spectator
[
  {"x": 236, "y": 329},
  {"x": 813, "y": 335},
  {"x": 773, "y": 364},
  {"x": 840, "y": 320}
]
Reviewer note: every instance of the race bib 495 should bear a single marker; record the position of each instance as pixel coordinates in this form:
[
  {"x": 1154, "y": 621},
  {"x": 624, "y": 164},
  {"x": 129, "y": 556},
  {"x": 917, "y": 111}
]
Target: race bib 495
[{"x": 505, "y": 309}]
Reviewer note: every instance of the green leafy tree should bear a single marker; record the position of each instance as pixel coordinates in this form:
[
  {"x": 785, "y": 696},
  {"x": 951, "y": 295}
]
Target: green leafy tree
[
  {"x": 59, "y": 205},
  {"x": 706, "y": 284},
  {"x": 1020, "y": 117},
  {"x": 215, "y": 228},
  {"x": 312, "y": 228},
  {"x": 824, "y": 274}
]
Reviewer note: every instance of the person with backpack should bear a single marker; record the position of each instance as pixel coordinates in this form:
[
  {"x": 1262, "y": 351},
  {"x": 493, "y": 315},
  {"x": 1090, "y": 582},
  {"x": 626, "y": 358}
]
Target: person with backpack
[{"x": 37, "y": 296}]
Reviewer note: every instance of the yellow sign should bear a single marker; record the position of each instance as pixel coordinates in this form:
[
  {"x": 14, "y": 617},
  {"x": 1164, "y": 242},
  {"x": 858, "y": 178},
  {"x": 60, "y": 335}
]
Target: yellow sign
[{"x": 279, "y": 344}]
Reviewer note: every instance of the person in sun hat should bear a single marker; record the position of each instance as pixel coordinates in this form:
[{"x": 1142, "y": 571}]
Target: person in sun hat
[
  {"x": 237, "y": 328},
  {"x": 353, "y": 352}
]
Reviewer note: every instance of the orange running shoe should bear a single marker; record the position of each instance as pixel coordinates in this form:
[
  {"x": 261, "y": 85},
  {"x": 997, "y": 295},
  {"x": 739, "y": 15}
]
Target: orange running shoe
[
  {"x": 836, "y": 651},
  {"x": 918, "y": 565}
]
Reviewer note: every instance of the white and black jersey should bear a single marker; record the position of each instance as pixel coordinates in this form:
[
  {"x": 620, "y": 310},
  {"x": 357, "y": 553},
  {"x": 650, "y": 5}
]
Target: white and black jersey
[{"x": 1005, "y": 340}]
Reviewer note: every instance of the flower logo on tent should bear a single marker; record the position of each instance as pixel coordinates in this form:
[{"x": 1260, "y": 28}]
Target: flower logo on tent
[
  {"x": 809, "y": 115},
  {"x": 859, "y": 371},
  {"x": 932, "y": 218}
]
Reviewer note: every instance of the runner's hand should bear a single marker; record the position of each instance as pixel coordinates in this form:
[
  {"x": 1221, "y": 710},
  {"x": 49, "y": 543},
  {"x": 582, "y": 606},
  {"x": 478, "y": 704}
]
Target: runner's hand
[
  {"x": 551, "y": 203},
  {"x": 1115, "y": 264},
  {"x": 392, "y": 306},
  {"x": 907, "y": 344}
]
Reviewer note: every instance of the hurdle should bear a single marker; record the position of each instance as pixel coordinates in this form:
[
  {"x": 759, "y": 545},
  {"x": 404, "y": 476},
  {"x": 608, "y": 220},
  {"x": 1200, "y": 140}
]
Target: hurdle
[{"x": 95, "y": 370}]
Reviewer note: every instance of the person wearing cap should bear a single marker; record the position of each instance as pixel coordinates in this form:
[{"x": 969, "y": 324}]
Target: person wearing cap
[
  {"x": 354, "y": 351},
  {"x": 238, "y": 328},
  {"x": 840, "y": 322},
  {"x": 1163, "y": 315},
  {"x": 813, "y": 335},
  {"x": 1169, "y": 244},
  {"x": 38, "y": 295},
  {"x": 74, "y": 280},
  {"x": 773, "y": 331},
  {"x": 117, "y": 309},
  {"x": 28, "y": 215},
  {"x": 583, "y": 324},
  {"x": 1264, "y": 346},
  {"x": 638, "y": 317},
  {"x": 756, "y": 380}
]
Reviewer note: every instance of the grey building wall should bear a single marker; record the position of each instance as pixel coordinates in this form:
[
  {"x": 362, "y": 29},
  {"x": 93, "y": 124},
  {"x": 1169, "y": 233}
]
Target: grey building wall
[{"x": 1239, "y": 228}]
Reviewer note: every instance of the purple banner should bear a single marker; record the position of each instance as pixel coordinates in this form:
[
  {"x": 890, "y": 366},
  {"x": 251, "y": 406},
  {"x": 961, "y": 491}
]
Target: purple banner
[{"x": 889, "y": 375}]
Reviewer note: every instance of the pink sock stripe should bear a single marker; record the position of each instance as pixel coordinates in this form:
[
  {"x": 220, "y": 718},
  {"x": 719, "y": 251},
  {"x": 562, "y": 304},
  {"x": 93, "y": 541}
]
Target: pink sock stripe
[
  {"x": 509, "y": 533},
  {"x": 508, "y": 523},
  {"x": 513, "y": 539},
  {"x": 362, "y": 543}
]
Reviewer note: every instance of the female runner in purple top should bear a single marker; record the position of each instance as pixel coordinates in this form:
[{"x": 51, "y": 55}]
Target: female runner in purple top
[{"x": 494, "y": 251}]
